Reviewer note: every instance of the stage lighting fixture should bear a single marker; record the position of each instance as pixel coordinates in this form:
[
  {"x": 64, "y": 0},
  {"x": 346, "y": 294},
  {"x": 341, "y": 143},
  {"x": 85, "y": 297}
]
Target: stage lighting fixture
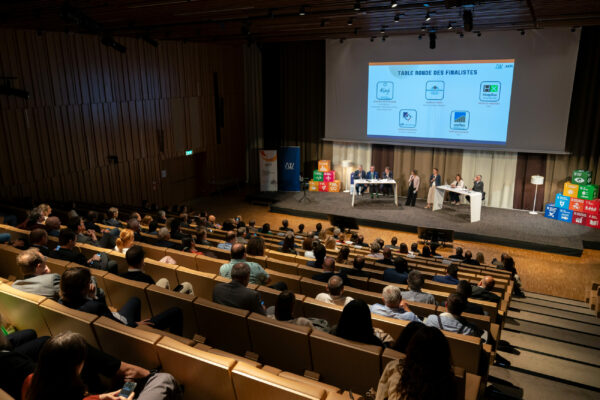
[
  {"x": 109, "y": 41},
  {"x": 427, "y": 17},
  {"x": 394, "y": 3},
  {"x": 468, "y": 20},
  {"x": 432, "y": 38},
  {"x": 450, "y": 27},
  {"x": 357, "y": 6},
  {"x": 302, "y": 11},
  {"x": 397, "y": 18},
  {"x": 382, "y": 29},
  {"x": 522, "y": 32},
  {"x": 349, "y": 21}
]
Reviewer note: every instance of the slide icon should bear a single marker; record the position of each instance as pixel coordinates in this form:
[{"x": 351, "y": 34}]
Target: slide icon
[
  {"x": 489, "y": 91},
  {"x": 434, "y": 90},
  {"x": 385, "y": 90},
  {"x": 408, "y": 118},
  {"x": 459, "y": 120}
]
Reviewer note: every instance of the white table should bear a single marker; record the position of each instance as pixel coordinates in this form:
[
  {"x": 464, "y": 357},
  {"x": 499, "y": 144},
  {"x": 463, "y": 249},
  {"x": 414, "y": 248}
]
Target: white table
[
  {"x": 475, "y": 197},
  {"x": 376, "y": 182}
]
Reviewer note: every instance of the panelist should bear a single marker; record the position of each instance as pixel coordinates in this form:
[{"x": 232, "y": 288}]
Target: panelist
[
  {"x": 386, "y": 189},
  {"x": 477, "y": 187},
  {"x": 434, "y": 180},
  {"x": 458, "y": 183},
  {"x": 413, "y": 188},
  {"x": 360, "y": 174},
  {"x": 372, "y": 174}
]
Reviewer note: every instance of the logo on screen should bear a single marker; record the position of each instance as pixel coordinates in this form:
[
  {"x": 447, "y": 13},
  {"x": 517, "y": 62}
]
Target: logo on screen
[
  {"x": 289, "y": 165},
  {"x": 459, "y": 120},
  {"x": 408, "y": 118},
  {"x": 489, "y": 91},
  {"x": 385, "y": 90},
  {"x": 434, "y": 90}
]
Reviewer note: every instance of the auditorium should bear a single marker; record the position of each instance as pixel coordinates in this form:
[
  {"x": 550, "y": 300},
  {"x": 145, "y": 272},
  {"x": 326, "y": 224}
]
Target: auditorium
[{"x": 299, "y": 199}]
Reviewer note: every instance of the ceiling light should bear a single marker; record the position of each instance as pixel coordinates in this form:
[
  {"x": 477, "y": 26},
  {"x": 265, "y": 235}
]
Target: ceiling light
[
  {"x": 397, "y": 18},
  {"x": 349, "y": 21},
  {"x": 394, "y": 3},
  {"x": 427, "y": 17},
  {"x": 357, "y": 6},
  {"x": 302, "y": 11}
]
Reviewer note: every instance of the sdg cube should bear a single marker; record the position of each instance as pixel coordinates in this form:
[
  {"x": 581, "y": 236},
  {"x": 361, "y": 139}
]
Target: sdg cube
[
  {"x": 570, "y": 189},
  {"x": 593, "y": 221},
  {"x": 576, "y": 204},
  {"x": 579, "y": 218},
  {"x": 592, "y": 207},
  {"x": 313, "y": 186},
  {"x": 562, "y": 201},
  {"x": 335, "y": 186},
  {"x": 588, "y": 192},
  {"x": 551, "y": 211},
  {"x": 324, "y": 165},
  {"x": 323, "y": 186},
  {"x": 317, "y": 176},
  {"x": 581, "y": 177},
  {"x": 565, "y": 215},
  {"x": 329, "y": 176}
]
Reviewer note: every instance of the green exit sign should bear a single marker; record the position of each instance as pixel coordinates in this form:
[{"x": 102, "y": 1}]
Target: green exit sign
[{"x": 189, "y": 152}]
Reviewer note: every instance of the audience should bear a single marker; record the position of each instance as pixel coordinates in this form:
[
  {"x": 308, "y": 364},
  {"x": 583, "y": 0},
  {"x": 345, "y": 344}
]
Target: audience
[
  {"x": 52, "y": 226},
  {"x": 164, "y": 239},
  {"x": 266, "y": 229},
  {"x": 112, "y": 217},
  {"x": 403, "y": 248},
  {"x": 483, "y": 290},
  {"x": 230, "y": 239},
  {"x": 414, "y": 249},
  {"x": 256, "y": 246},
  {"x": 458, "y": 255},
  {"x": 307, "y": 246},
  {"x": 37, "y": 278},
  {"x": 355, "y": 324},
  {"x": 319, "y": 252},
  {"x": 469, "y": 258},
  {"x": 288, "y": 243},
  {"x": 357, "y": 268},
  {"x": 284, "y": 310},
  {"x": 406, "y": 335},
  {"x": 335, "y": 292},
  {"x": 393, "y": 305},
  {"x": 284, "y": 226},
  {"x": 329, "y": 271},
  {"x": 235, "y": 293},
  {"x": 451, "y": 320},
  {"x": 330, "y": 243},
  {"x": 426, "y": 251},
  {"x": 480, "y": 258},
  {"x": 465, "y": 290},
  {"x": 38, "y": 239},
  {"x": 398, "y": 274},
  {"x": 415, "y": 283},
  {"x": 451, "y": 277},
  {"x": 393, "y": 243},
  {"x": 258, "y": 275},
  {"x": 134, "y": 225},
  {"x": 343, "y": 255},
  {"x": 300, "y": 231},
  {"x": 66, "y": 251},
  {"x": 375, "y": 251},
  {"x": 188, "y": 245},
  {"x": 124, "y": 241},
  {"x": 387, "y": 257}
]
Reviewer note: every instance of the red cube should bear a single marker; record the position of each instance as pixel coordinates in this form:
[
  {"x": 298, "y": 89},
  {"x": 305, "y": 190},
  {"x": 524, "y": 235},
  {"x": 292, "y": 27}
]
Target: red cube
[
  {"x": 591, "y": 206},
  {"x": 323, "y": 186},
  {"x": 579, "y": 218},
  {"x": 593, "y": 221}
]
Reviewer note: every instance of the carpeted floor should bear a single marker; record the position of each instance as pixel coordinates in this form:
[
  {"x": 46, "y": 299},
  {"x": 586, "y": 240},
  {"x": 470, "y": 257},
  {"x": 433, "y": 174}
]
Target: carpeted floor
[{"x": 516, "y": 228}]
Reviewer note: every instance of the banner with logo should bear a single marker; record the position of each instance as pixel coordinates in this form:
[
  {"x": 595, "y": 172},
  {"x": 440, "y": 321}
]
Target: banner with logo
[
  {"x": 268, "y": 170},
  {"x": 289, "y": 169}
]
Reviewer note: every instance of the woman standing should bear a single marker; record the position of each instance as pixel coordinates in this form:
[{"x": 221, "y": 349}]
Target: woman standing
[
  {"x": 458, "y": 183},
  {"x": 434, "y": 180}
]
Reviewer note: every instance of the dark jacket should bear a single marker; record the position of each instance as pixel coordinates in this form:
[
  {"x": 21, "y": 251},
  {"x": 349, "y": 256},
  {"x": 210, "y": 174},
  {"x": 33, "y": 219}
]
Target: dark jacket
[
  {"x": 446, "y": 279},
  {"x": 324, "y": 277},
  {"x": 438, "y": 180},
  {"x": 166, "y": 243},
  {"x": 391, "y": 275},
  {"x": 138, "y": 276},
  {"x": 42, "y": 249},
  {"x": 112, "y": 222},
  {"x": 484, "y": 294},
  {"x": 69, "y": 255},
  {"x": 234, "y": 294}
]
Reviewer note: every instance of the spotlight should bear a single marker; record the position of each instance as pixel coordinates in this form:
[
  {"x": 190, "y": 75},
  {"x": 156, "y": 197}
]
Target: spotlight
[
  {"x": 382, "y": 29},
  {"x": 302, "y": 11},
  {"x": 468, "y": 20},
  {"x": 522, "y": 32},
  {"x": 349, "y": 21},
  {"x": 357, "y": 6},
  {"x": 427, "y": 17},
  {"x": 450, "y": 27},
  {"x": 394, "y": 3},
  {"x": 397, "y": 18},
  {"x": 432, "y": 38}
]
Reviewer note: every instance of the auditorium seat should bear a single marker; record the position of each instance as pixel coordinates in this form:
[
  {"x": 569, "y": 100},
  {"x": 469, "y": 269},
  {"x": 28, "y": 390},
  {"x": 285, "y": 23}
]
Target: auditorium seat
[
  {"x": 344, "y": 363},
  {"x": 132, "y": 345},
  {"x": 153, "y": 252},
  {"x": 269, "y": 297},
  {"x": 422, "y": 310},
  {"x": 186, "y": 341},
  {"x": 252, "y": 383},
  {"x": 203, "y": 375},
  {"x": 202, "y": 282},
  {"x": 278, "y": 255},
  {"x": 183, "y": 259},
  {"x": 61, "y": 318},
  {"x": 291, "y": 280},
  {"x": 311, "y": 382},
  {"x": 158, "y": 270},
  {"x": 22, "y": 310},
  {"x": 162, "y": 299},
  {"x": 286, "y": 267},
  {"x": 281, "y": 344},
  {"x": 120, "y": 290},
  {"x": 57, "y": 266},
  {"x": 366, "y": 296},
  {"x": 208, "y": 264},
  {"x": 391, "y": 326},
  {"x": 312, "y": 288},
  {"x": 466, "y": 351},
  {"x": 318, "y": 309},
  {"x": 8, "y": 262},
  {"x": 358, "y": 282},
  {"x": 262, "y": 260},
  {"x": 223, "y": 327},
  {"x": 376, "y": 285},
  {"x": 15, "y": 233},
  {"x": 229, "y": 355},
  {"x": 120, "y": 259}
]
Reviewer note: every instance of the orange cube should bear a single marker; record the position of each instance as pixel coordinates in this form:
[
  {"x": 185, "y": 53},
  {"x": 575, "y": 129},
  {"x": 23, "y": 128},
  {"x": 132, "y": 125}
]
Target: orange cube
[
  {"x": 324, "y": 165},
  {"x": 570, "y": 189},
  {"x": 335, "y": 186},
  {"x": 313, "y": 186}
]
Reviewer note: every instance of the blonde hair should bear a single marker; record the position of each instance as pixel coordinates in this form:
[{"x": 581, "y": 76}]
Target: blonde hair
[
  {"x": 330, "y": 243},
  {"x": 323, "y": 235},
  {"x": 44, "y": 209},
  {"x": 125, "y": 239},
  {"x": 147, "y": 219}
]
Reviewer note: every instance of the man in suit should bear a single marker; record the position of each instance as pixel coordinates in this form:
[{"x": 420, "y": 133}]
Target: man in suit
[
  {"x": 38, "y": 239},
  {"x": 398, "y": 274},
  {"x": 469, "y": 258},
  {"x": 465, "y": 290},
  {"x": 483, "y": 290},
  {"x": 451, "y": 276},
  {"x": 164, "y": 237},
  {"x": 372, "y": 174},
  {"x": 458, "y": 254},
  {"x": 360, "y": 174},
  {"x": 236, "y": 294},
  {"x": 413, "y": 187},
  {"x": 477, "y": 187},
  {"x": 37, "y": 278},
  {"x": 386, "y": 189}
]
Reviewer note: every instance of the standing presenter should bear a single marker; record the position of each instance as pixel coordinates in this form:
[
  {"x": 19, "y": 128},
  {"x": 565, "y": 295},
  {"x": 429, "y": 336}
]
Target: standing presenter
[{"x": 434, "y": 180}]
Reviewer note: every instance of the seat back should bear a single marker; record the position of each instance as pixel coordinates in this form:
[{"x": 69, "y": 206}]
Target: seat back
[
  {"x": 223, "y": 327},
  {"x": 308, "y": 272},
  {"x": 208, "y": 264},
  {"x": 286, "y": 266},
  {"x": 162, "y": 299},
  {"x": 291, "y": 280},
  {"x": 311, "y": 288},
  {"x": 153, "y": 252},
  {"x": 61, "y": 318},
  {"x": 158, "y": 270},
  {"x": 392, "y": 326},
  {"x": 366, "y": 296},
  {"x": 358, "y": 282},
  {"x": 280, "y": 344},
  {"x": 182, "y": 258},
  {"x": 134, "y": 346},
  {"x": 344, "y": 363},
  {"x": 15, "y": 233},
  {"x": 269, "y": 297},
  {"x": 57, "y": 266},
  {"x": 8, "y": 262},
  {"x": 390, "y": 355},
  {"x": 261, "y": 260},
  {"x": 121, "y": 290},
  {"x": 187, "y": 364},
  {"x": 317, "y": 309},
  {"x": 202, "y": 282},
  {"x": 21, "y": 309},
  {"x": 422, "y": 310},
  {"x": 465, "y": 351}
]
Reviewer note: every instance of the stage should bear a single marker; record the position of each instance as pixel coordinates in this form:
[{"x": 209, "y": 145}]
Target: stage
[{"x": 516, "y": 228}]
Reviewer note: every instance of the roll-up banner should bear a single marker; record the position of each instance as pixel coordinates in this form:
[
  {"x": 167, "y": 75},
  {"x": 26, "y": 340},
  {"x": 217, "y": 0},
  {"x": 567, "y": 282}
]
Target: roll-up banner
[
  {"x": 289, "y": 169},
  {"x": 268, "y": 170}
]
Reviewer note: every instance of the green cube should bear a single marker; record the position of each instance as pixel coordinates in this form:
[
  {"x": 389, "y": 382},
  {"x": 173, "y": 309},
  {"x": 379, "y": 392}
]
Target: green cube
[
  {"x": 581, "y": 177},
  {"x": 317, "y": 176},
  {"x": 588, "y": 192}
]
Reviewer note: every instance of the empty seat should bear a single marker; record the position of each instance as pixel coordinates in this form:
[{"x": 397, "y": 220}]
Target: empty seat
[
  {"x": 162, "y": 299},
  {"x": 204, "y": 375},
  {"x": 208, "y": 264},
  {"x": 128, "y": 344},
  {"x": 121, "y": 290},
  {"x": 202, "y": 282},
  {"x": 21, "y": 309},
  {"x": 61, "y": 318},
  {"x": 158, "y": 270},
  {"x": 286, "y": 267},
  {"x": 153, "y": 252},
  {"x": 281, "y": 344}
]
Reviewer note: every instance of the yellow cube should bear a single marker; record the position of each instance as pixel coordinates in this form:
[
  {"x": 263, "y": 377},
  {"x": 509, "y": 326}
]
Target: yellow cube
[
  {"x": 335, "y": 186},
  {"x": 324, "y": 165},
  {"x": 313, "y": 186},
  {"x": 570, "y": 189}
]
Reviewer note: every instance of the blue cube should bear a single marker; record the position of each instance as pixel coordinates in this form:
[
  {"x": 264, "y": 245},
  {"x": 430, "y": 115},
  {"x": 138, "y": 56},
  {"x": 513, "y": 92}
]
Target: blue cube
[
  {"x": 551, "y": 211},
  {"x": 565, "y": 215},
  {"x": 562, "y": 201}
]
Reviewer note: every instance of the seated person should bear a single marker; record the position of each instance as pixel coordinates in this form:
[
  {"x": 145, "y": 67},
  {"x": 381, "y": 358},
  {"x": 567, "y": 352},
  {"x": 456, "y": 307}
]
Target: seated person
[
  {"x": 112, "y": 217},
  {"x": 176, "y": 229},
  {"x": 458, "y": 255},
  {"x": 146, "y": 222},
  {"x": 426, "y": 252},
  {"x": 469, "y": 258},
  {"x": 483, "y": 290},
  {"x": 90, "y": 221},
  {"x": 35, "y": 221},
  {"x": 201, "y": 237},
  {"x": 319, "y": 251},
  {"x": 52, "y": 226},
  {"x": 387, "y": 257},
  {"x": 330, "y": 243},
  {"x": 161, "y": 217},
  {"x": 135, "y": 225},
  {"x": 124, "y": 241},
  {"x": 414, "y": 249},
  {"x": 229, "y": 241},
  {"x": 343, "y": 255},
  {"x": 360, "y": 242},
  {"x": 451, "y": 276},
  {"x": 300, "y": 231},
  {"x": 66, "y": 251},
  {"x": 403, "y": 248},
  {"x": 372, "y": 174},
  {"x": 451, "y": 320},
  {"x": 398, "y": 274},
  {"x": 241, "y": 236},
  {"x": 393, "y": 243},
  {"x": 288, "y": 243},
  {"x": 164, "y": 239},
  {"x": 236, "y": 294},
  {"x": 78, "y": 292},
  {"x": 85, "y": 236},
  {"x": 189, "y": 246},
  {"x": 153, "y": 228},
  {"x": 387, "y": 189},
  {"x": 135, "y": 272},
  {"x": 266, "y": 228},
  {"x": 284, "y": 310},
  {"x": 335, "y": 292},
  {"x": 38, "y": 239},
  {"x": 375, "y": 251},
  {"x": 329, "y": 271},
  {"x": 37, "y": 278},
  {"x": 359, "y": 174},
  {"x": 393, "y": 305},
  {"x": 465, "y": 290},
  {"x": 285, "y": 226},
  {"x": 307, "y": 246},
  {"x": 256, "y": 246},
  {"x": 258, "y": 275},
  {"x": 355, "y": 324},
  {"x": 357, "y": 267},
  {"x": 415, "y": 283}
]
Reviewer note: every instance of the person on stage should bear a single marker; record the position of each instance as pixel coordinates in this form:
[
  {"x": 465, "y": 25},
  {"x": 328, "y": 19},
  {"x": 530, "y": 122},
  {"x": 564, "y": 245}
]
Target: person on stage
[
  {"x": 458, "y": 183},
  {"x": 360, "y": 174},
  {"x": 434, "y": 180},
  {"x": 372, "y": 174},
  {"x": 413, "y": 188},
  {"x": 477, "y": 187},
  {"x": 386, "y": 189}
]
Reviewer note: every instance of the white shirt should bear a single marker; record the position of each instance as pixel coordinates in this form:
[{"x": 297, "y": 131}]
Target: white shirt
[
  {"x": 337, "y": 300},
  {"x": 460, "y": 184},
  {"x": 123, "y": 251}
]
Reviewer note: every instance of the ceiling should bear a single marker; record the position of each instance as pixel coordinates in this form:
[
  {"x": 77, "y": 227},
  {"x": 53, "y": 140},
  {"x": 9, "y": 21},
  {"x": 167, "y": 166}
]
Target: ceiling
[{"x": 280, "y": 20}]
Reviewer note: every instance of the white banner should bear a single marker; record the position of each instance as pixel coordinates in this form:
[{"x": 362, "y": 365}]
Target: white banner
[{"x": 268, "y": 170}]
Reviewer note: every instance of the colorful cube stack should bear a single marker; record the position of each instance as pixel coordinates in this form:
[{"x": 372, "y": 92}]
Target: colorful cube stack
[
  {"x": 578, "y": 203},
  {"x": 324, "y": 179}
]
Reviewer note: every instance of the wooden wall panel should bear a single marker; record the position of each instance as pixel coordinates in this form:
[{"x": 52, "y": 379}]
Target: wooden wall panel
[{"x": 146, "y": 107}]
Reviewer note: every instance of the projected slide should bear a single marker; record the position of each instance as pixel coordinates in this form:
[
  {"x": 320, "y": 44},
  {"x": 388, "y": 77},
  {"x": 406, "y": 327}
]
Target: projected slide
[{"x": 440, "y": 100}]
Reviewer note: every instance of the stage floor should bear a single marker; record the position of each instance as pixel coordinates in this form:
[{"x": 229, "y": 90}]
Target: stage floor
[{"x": 516, "y": 228}]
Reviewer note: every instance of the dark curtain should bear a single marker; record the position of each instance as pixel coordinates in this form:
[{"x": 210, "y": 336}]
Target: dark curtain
[
  {"x": 294, "y": 98},
  {"x": 527, "y": 165},
  {"x": 382, "y": 156}
]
